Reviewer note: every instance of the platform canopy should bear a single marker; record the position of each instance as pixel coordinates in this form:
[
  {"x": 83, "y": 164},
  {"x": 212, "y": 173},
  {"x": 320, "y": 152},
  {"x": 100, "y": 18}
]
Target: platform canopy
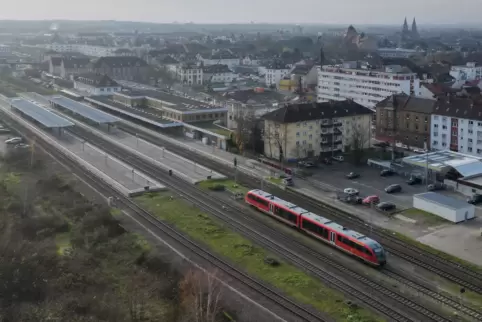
[
  {"x": 84, "y": 110},
  {"x": 40, "y": 114}
]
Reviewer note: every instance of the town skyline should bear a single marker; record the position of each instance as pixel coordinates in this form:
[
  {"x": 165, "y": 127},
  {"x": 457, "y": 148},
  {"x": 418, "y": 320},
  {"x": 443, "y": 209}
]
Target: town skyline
[{"x": 374, "y": 12}]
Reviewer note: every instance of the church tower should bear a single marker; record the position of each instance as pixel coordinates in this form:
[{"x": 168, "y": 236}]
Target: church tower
[{"x": 415, "y": 34}]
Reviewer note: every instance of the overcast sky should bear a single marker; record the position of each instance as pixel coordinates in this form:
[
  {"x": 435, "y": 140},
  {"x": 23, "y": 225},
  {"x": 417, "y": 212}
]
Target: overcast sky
[{"x": 271, "y": 11}]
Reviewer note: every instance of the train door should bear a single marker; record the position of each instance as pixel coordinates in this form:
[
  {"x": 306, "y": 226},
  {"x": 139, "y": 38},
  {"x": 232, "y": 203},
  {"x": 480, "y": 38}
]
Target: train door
[
  {"x": 332, "y": 237},
  {"x": 271, "y": 208}
]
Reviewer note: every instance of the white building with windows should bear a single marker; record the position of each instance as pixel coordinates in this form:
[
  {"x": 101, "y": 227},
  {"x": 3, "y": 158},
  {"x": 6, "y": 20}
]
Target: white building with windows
[
  {"x": 218, "y": 74},
  {"x": 316, "y": 129},
  {"x": 275, "y": 72},
  {"x": 190, "y": 74},
  {"x": 95, "y": 84},
  {"x": 468, "y": 72},
  {"x": 456, "y": 125},
  {"x": 364, "y": 86}
]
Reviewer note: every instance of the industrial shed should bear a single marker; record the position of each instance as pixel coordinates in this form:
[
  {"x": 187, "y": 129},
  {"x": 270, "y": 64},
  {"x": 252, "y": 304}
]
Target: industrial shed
[{"x": 451, "y": 209}]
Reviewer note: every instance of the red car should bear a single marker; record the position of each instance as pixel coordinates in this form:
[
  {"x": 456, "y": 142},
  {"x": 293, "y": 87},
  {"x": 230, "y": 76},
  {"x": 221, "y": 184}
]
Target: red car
[{"x": 371, "y": 200}]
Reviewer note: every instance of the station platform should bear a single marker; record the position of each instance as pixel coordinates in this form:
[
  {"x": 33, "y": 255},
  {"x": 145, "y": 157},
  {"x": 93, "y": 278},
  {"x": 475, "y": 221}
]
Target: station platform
[
  {"x": 130, "y": 180},
  {"x": 181, "y": 167},
  {"x": 118, "y": 175},
  {"x": 246, "y": 165}
]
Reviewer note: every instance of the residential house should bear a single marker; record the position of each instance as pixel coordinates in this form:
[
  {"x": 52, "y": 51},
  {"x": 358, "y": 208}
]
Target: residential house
[
  {"x": 316, "y": 129},
  {"x": 218, "y": 74},
  {"x": 304, "y": 74},
  {"x": 74, "y": 66},
  {"x": 456, "y": 124},
  {"x": 190, "y": 74},
  {"x": 121, "y": 67},
  {"x": 469, "y": 72},
  {"x": 275, "y": 72},
  {"x": 405, "y": 119},
  {"x": 96, "y": 84},
  {"x": 250, "y": 60},
  {"x": 219, "y": 58}
]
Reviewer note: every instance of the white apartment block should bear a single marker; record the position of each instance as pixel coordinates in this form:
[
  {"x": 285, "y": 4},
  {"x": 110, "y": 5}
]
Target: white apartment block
[
  {"x": 364, "y": 86},
  {"x": 274, "y": 75},
  {"x": 459, "y": 130},
  {"x": 467, "y": 72},
  {"x": 190, "y": 74}
]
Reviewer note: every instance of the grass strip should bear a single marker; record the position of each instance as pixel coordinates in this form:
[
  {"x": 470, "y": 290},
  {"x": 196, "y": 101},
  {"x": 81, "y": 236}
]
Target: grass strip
[{"x": 240, "y": 251}]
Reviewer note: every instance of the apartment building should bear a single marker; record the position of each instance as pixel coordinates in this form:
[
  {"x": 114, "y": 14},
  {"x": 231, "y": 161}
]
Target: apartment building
[
  {"x": 468, "y": 72},
  {"x": 316, "y": 129},
  {"x": 218, "y": 74},
  {"x": 405, "y": 119},
  {"x": 190, "y": 74},
  {"x": 219, "y": 58},
  {"x": 364, "y": 85},
  {"x": 457, "y": 125},
  {"x": 121, "y": 67},
  {"x": 275, "y": 72}
]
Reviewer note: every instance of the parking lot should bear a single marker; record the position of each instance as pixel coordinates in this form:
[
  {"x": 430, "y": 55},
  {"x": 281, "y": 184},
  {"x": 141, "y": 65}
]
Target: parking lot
[{"x": 369, "y": 183}]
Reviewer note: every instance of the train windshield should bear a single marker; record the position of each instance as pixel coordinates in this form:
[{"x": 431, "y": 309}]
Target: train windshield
[{"x": 379, "y": 252}]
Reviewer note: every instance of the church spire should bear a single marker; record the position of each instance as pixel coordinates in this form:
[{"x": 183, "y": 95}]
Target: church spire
[
  {"x": 414, "y": 29},
  {"x": 405, "y": 26}
]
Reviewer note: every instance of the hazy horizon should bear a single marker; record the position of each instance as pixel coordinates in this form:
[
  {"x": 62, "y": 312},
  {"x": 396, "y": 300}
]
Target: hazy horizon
[{"x": 368, "y": 12}]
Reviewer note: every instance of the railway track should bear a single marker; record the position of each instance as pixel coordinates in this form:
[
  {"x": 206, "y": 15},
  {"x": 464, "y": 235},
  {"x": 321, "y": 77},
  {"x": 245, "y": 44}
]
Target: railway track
[
  {"x": 383, "y": 299},
  {"x": 263, "y": 291},
  {"x": 452, "y": 271}
]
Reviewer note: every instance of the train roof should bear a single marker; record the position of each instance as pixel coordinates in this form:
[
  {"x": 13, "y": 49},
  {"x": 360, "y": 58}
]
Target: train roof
[{"x": 317, "y": 218}]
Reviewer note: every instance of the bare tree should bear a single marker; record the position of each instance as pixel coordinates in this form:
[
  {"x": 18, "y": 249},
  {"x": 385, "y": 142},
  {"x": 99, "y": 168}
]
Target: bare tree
[
  {"x": 200, "y": 296},
  {"x": 245, "y": 122},
  {"x": 359, "y": 140}
]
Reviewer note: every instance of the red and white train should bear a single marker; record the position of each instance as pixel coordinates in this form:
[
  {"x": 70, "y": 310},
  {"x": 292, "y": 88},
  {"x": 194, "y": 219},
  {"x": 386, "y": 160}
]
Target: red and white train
[{"x": 321, "y": 228}]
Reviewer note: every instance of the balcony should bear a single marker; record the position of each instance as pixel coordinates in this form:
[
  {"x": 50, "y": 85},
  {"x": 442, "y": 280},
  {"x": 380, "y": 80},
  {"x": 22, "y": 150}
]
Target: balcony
[{"x": 326, "y": 125}]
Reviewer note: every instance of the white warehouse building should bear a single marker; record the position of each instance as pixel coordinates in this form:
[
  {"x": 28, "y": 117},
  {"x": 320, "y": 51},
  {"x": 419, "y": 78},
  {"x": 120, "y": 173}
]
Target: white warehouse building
[
  {"x": 451, "y": 209},
  {"x": 363, "y": 85}
]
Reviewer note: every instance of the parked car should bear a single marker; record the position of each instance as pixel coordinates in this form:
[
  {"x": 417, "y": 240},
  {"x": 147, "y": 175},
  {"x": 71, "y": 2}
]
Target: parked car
[
  {"x": 288, "y": 182},
  {"x": 475, "y": 199},
  {"x": 352, "y": 175},
  {"x": 306, "y": 164},
  {"x": 385, "y": 206},
  {"x": 436, "y": 186},
  {"x": 338, "y": 158},
  {"x": 421, "y": 151},
  {"x": 21, "y": 146},
  {"x": 15, "y": 140},
  {"x": 351, "y": 191},
  {"x": 414, "y": 180},
  {"x": 387, "y": 172},
  {"x": 371, "y": 200},
  {"x": 393, "y": 188}
]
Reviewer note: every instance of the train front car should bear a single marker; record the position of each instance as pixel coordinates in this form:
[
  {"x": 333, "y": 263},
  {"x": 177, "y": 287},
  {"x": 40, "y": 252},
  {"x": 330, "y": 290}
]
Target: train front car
[{"x": 379, "y": 252}]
